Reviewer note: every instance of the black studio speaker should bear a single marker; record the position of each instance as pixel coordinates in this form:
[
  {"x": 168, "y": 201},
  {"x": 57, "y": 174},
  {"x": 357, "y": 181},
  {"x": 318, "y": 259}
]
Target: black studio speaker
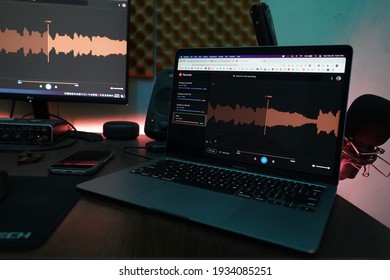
[{"x": 156, "y": 123}]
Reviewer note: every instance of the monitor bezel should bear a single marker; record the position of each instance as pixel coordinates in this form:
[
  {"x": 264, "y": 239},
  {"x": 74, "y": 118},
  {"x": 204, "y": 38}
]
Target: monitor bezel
[{"x": 41, "y": 100}]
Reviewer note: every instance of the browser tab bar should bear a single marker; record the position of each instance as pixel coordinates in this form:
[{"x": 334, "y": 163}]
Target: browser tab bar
[{"x": 284, "y": 63}]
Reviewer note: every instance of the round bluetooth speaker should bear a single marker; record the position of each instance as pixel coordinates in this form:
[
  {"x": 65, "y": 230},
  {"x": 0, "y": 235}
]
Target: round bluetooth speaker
[{"x": 120, "y": 130}]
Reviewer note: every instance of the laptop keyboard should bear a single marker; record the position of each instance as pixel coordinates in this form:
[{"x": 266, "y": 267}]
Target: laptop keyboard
[{"x": 260, "y": 188}]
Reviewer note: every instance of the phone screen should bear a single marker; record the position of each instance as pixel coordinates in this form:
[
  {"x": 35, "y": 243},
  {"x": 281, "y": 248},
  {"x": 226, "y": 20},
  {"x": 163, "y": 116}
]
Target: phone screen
[{"x": 81, "y": 162}]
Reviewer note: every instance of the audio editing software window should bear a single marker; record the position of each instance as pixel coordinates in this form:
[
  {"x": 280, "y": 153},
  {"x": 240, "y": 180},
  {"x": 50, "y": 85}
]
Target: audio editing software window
[
  {"x": 263, "y": 112},
  {"x": 64, "y": 48}
]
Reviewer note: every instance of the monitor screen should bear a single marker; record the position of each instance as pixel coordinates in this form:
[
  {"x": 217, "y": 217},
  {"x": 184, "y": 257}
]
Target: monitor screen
[{"x": 64, "y": 50}]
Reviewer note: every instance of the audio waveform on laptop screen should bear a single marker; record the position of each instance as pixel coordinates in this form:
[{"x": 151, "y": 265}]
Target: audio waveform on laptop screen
[{"x": 267, "y": 117}]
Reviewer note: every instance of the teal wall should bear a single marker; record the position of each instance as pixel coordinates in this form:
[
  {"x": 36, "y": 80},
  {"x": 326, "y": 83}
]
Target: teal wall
[{"x": 362, "y": 24}]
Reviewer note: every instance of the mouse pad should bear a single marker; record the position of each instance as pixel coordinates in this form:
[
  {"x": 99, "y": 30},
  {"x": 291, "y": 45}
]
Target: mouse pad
[{"x": 34, "y": 207}]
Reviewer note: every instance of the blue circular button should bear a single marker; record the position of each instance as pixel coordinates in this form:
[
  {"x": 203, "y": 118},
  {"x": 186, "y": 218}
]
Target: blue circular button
[{"x": 264, "y": 160}]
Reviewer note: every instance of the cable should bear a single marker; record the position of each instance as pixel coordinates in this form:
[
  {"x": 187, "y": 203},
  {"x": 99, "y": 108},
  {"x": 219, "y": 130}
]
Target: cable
[
  {"x": 124, "y": 149},
  {"x": 11, "y": 113}
]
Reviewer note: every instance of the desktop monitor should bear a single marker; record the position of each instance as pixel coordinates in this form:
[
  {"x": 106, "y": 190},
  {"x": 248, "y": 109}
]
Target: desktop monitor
[{"x": 64, "y": 50}]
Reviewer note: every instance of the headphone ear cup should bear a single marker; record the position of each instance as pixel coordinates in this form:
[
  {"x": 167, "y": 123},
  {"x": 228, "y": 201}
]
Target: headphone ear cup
[{"x": 157, "y": 117}]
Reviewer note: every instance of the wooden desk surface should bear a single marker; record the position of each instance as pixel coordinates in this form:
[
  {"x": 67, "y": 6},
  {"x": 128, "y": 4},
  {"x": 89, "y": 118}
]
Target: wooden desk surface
[{"x": 102, "y": 228}]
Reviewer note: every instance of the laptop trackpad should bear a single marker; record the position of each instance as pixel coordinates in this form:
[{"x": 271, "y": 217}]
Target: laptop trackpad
[{"x": 191, "y": 203}]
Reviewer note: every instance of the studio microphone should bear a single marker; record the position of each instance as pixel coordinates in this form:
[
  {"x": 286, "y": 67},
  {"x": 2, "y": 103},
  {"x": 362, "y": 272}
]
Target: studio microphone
[{"x": 367, "y": 127}]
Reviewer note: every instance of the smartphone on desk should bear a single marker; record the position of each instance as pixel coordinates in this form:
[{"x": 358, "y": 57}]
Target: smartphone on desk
[{"x": 84, "y": 162}]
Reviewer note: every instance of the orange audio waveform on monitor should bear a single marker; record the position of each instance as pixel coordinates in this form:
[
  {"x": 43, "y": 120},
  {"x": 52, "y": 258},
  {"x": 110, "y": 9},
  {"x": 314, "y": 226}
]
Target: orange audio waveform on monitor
[
  {"x": 31, "y": 42},
  {"x": 35, "y": 43},
  {"x": 83, "y": 45},
  {"x": 269, "y": 117}
]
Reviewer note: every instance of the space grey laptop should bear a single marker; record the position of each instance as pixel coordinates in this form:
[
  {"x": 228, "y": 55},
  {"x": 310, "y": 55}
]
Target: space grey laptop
[{"x": 254, "y": 143}]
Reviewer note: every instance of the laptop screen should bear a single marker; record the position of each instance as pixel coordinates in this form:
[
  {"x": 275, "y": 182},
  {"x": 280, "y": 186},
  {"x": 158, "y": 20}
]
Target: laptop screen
[{"x": 274, "y": 109}]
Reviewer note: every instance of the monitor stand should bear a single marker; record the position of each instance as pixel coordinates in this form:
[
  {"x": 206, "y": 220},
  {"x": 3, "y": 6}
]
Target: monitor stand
[{"x": 40, "y": 109}]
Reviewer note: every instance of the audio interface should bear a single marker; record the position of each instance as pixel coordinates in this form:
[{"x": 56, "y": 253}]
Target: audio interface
[{"x": 32, "y": 131}]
